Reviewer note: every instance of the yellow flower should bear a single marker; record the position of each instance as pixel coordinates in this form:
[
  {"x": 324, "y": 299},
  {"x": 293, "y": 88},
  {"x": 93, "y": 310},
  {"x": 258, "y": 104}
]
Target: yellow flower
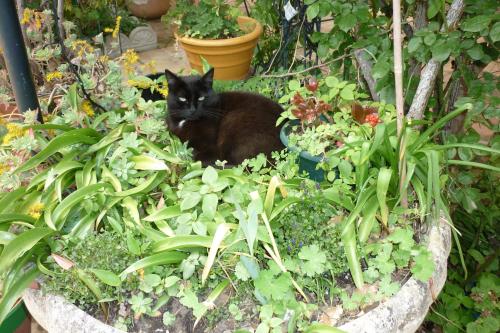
[
  {"x": 87, "y": 108},
  {"x": 36, "y": 210},
  {"x": 130, "y": 57},
  {"x": 142, "y": 84},
  {"x": 4, "y": 168},
  {"x": 13, "y": 131},
  {"x": 162, "y": 90},
  {"x": 38, "y": 21},
  {"x": 141, "y": 273},
  {"x": 117, "y": 27},
  {"x": 26, "y": 16},
  {"x": 53, "y": 75},
  {"x": 104, "y": 58},
  {"x": 108, "y": 30},
  {"x": 81, "y": 46}
]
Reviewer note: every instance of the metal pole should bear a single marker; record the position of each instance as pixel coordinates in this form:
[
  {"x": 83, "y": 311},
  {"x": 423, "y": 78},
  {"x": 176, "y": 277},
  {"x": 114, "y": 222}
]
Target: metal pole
[{"x": 16, "y": 58}]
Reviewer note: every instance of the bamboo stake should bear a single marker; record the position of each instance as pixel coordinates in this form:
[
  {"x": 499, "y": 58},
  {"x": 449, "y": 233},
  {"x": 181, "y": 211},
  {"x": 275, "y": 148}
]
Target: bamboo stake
[{"x": 398, "y": 77}]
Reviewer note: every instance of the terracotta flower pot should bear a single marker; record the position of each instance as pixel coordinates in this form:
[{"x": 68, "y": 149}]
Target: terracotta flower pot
[
  {"x": 230, "y": 57},
  {"x": 148, "y": 9}
]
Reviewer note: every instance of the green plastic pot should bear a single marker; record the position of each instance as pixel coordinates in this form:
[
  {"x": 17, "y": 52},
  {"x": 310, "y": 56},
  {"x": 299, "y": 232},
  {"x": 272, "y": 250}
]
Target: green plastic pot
[
  {"x": 15, "y": 320},
  {"x": 307, "y": 162}
]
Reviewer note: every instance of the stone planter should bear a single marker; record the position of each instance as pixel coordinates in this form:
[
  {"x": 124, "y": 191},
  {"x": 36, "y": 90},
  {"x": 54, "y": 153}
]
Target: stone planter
[
  {"x": 140, "y": 39},
  {"x": 402, "y": 313}
]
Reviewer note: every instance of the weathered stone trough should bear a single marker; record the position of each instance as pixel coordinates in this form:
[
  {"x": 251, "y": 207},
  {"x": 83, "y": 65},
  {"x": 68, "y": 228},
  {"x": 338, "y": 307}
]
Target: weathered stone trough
[{"x": 402, "y": 313}]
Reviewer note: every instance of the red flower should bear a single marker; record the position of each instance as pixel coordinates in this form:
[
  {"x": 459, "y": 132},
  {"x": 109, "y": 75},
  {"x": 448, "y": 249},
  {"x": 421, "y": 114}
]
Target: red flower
[
  {"x": 312, "y": 84},
  {"x": 297, "y": 99},
  {"x": 372, "y": 119}
]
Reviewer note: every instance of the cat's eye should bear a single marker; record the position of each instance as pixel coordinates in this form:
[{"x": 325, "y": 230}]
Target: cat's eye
[
  {"x": 182, "y": 99},
  {"x": 201, "y": 98}
]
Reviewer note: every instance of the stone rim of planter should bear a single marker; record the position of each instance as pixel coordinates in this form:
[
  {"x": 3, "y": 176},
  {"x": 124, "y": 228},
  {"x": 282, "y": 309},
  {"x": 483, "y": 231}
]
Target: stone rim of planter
[{"x": 404, "y": 312}]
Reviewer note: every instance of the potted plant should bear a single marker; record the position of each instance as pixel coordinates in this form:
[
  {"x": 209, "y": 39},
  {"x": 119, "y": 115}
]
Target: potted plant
[
  {"x": 148, "y": 9},
  {"x": 325, "y": 115},
  {"x": 214, "y": 30}
]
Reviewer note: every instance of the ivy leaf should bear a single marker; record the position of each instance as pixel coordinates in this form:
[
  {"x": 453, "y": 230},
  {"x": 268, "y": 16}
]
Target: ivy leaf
[
  {"x": 347, "y": 22},
  {"x": 429, "y": 39},
  {"x": 441, "y": 51},
  {"x": 381, "y": 68},
  {"x": 312, "y": 11},
  {"x": 433, "y": 7},
  {"x": 424, "y": 265},
  {"x": 495, "y": 32},
  {"x": 476, "y": 52},
  {"x": 414, "y": 44},
  {"x": 314, "y": 260},
  {"x": 476, "y": 23}
]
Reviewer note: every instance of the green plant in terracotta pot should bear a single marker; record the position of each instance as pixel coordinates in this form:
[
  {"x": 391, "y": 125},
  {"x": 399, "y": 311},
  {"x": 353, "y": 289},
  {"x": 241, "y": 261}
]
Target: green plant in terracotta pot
[
  {"x": 324, "y": 116},
  {"x": 216, "y": 31}
]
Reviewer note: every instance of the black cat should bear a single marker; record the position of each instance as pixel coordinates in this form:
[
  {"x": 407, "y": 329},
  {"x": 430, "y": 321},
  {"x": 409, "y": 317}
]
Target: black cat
[{"x": 230, "y": 126}]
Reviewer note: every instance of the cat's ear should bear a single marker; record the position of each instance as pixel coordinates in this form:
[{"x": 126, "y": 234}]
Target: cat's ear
[
  {"x": 208, "y": 77},
  {"x": 171, "y": 78}
]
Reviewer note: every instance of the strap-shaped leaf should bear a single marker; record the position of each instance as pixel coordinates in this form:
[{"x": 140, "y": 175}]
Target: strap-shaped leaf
[{"x": 20, "y": 245}]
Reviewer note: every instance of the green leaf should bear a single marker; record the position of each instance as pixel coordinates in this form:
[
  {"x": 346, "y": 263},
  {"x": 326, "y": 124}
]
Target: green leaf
[
  {"x": 476, "y": 23},
  {"x": 476, "y": 52},
  {"x": 20, "y": 245},
  {"x": 58, "y": 144},
  {"x": 293, "y": 85},
  {"x": 190, "y": 200},
  {"x": 107, "y": 277},
  {"x": 331, "y": 81},
  {"x": 59, "y": 213},
  {"x": 350, "y": 247},
  {"x": 347, "y": 93},
  {"x": 414, "y": 44},
  {"x": 312, "y": 11},
  {"x": 209, "y": 205},
  {"x": 314, "y": 260},
  {"x": 209, "y": 176},
  {"x": 11, "y": 198},
  {"x": 429, "y": 39},
  {"x": 271, "y": 287},
  {"x": 495, "y": 32},
  {"x": 145, "y": 162},
  {"x": 13, "y": 294},
  {"x": 346, "y": 22},
  {"x": 424, "y": 266},
  {"x": 164, "y": 214},
  {"x": 383, "y": 181},
  {"x": 182, "y": 242},
  {"x": 162, "y": 258},
  {"x": 322, "y": 328},
  {"x": 13, "y": 217},
  {"x": 441, "y": 51},
  {"x": 433, "y": 7}
]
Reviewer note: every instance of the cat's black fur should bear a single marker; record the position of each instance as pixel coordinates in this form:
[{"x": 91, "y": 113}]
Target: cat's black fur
[{"x": 230, "y": 126}]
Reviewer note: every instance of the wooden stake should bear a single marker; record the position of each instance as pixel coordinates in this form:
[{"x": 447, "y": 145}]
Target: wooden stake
[{"x": 398, "y": 77}]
